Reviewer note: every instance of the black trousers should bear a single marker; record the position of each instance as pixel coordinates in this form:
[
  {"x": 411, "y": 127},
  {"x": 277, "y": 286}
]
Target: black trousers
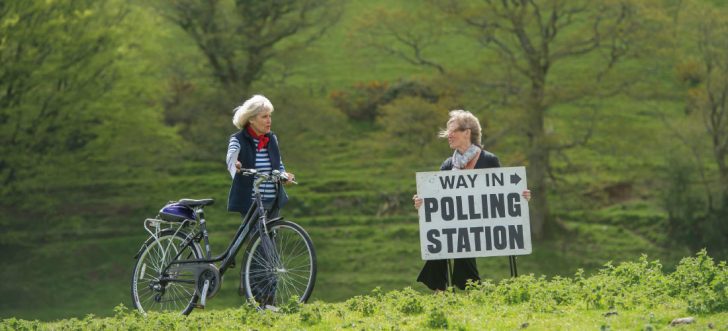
[{"x": 434, "y": 273}]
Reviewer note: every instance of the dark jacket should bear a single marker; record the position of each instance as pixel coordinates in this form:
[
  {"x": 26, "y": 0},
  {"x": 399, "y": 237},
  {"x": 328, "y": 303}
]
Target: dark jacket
[{"x": 241, "y": 190}]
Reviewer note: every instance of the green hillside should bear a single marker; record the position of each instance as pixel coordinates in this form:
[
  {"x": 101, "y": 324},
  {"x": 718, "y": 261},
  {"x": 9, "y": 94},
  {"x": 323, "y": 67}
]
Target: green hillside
[{"x": 125, "y": 114}]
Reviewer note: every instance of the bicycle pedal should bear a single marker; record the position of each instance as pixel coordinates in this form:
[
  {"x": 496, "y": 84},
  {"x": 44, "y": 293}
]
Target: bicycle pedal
[{"x": 199, "y": 306}]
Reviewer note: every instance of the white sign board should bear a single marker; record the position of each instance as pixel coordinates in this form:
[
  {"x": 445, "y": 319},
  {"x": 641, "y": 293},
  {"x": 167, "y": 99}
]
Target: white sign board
[{"x": 473, "y": 213}]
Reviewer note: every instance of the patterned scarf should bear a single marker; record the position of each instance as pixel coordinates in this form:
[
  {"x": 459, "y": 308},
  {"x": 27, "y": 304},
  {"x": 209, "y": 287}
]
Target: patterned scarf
[
  {"x": 262, "y": 139},
  {"x": 459, "y": 161}
]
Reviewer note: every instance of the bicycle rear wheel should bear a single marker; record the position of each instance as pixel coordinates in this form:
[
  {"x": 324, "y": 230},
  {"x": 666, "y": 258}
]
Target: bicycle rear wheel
[
  {"x": 173, "y": 291},
  {"x": 281, "y": 267}
]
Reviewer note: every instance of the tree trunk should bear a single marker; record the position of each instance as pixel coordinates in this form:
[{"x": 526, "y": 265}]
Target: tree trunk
[
  {"x": 723, "y": 176},
  {"x": 538, "y": 160}
]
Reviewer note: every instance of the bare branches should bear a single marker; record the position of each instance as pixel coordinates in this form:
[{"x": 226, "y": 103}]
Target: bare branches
[
  {"x": 239, "y": 38},
  {"x": 579, "y": 141},
  {"x": 404, "y": 35}
]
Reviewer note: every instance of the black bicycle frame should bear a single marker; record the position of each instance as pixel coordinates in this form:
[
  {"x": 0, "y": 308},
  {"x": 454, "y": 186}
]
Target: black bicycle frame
[{"x": 252, "y": 217}]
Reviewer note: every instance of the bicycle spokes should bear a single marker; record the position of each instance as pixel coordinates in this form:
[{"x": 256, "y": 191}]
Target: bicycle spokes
[
  {"x": 281, "y": 266},
  {"x": 155, "y": 287}
]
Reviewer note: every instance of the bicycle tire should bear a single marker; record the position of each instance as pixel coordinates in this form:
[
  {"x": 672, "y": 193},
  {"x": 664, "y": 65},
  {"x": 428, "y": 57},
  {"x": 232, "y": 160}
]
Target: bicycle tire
[
  {"x": 149, "y": 295},
  {"x": 291, "y": 271}
]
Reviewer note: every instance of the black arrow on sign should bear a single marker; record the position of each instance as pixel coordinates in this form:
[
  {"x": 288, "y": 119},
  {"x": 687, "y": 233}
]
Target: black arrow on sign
[{"x": 515, "y": 179}]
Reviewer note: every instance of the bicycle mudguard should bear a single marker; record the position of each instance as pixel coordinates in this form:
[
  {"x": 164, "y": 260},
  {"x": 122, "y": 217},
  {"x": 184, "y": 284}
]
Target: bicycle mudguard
[{"x": 141, "y": 249}]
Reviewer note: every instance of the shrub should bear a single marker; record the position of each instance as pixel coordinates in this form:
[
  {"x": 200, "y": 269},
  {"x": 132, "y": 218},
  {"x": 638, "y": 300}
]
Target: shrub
[
  {"x": 410, "y": 302},
  {"x": 702, "y": 283},
  {"x": 437, "y": 319},
  {"x": 363, "y": 100},
  {"x": 627, "y": 285},
  {"x": 410, "y": 123},
  {"x": 311, "y": 314},
  {"x": 364, "y": 304},
  {"x": 292, "y": 306}
]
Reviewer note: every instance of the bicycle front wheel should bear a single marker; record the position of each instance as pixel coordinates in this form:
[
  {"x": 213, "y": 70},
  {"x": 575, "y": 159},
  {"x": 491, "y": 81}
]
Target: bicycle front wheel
[
  {"x": 153, "y": 288},
  {"x": 281, "y": 266}
]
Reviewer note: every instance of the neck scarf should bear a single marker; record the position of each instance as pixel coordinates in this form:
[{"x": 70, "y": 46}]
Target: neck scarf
[
  {"x": 262, "y": 139},
  {"x": 459, "y": 161}
]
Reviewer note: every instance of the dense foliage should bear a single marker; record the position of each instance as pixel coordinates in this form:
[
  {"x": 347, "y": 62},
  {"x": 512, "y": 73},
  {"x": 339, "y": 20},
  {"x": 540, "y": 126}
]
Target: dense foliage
[{"x": 631, "y": 295}]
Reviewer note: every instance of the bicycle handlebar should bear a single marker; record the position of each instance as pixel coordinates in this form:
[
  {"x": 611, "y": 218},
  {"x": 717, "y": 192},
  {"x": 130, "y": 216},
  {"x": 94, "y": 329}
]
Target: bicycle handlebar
[{"x": 275, "y": 175}]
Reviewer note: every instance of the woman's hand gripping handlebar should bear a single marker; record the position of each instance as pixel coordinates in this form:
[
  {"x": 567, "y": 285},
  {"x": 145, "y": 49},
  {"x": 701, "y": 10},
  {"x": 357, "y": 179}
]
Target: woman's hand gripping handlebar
[{"x": 275, "y": 175}]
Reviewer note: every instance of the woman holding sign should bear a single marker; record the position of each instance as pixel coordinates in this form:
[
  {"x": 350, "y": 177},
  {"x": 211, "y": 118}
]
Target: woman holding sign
[{"x": 464, "y": 135}]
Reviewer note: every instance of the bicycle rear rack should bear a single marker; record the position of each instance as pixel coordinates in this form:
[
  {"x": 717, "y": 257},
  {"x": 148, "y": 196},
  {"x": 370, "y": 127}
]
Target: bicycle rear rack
[{"x": 155, "y": 226}]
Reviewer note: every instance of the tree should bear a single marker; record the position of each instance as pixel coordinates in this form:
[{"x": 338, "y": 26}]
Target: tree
[
  {"x": 238, "y": 38},
  {"x": 706, "y": 78},
  {"x": 527, "y": 46},
  {"x": 407, "y": 34},
  {"x": 56, "y": 60},
  {"x": 702, "y": 68},
  {"x": 239, "y": 44},
  {"x": 74, "y": 107}
]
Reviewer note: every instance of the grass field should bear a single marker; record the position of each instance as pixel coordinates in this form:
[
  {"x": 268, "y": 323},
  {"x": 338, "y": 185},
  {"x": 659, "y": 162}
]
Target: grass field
[
  {"x": 74, "y": 258},
  {"x": 356, "y": 254},
  {"x": 360, "y": 218},
  {"x": 635, "y": 295}
]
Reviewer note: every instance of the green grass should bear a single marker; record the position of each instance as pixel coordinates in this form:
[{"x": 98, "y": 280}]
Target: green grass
[
  {"x": 631, "y": 295},
  {"x": 466, "y": 316},
  {"x": 84, "y": 274},
  {"x": 356, "y": 208},
  {"x": 79, "y": 266}
]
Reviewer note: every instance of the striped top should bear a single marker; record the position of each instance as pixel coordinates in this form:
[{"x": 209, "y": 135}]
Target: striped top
[{"x": 262, "y": 164}]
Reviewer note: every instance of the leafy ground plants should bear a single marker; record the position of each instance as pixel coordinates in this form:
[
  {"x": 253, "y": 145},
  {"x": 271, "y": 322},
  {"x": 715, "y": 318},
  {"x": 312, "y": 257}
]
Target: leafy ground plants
[{"x": 633, "y": 295}]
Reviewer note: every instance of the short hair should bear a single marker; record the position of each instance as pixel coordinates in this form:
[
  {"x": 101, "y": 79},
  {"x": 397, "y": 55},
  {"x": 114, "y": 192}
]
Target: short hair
[
  {"x": 250, "y": 108},
  {"x": 465, "y": 120}
]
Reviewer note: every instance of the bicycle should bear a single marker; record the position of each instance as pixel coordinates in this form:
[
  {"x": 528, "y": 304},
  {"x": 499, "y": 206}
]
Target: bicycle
[{"x": 172, "y": 274}]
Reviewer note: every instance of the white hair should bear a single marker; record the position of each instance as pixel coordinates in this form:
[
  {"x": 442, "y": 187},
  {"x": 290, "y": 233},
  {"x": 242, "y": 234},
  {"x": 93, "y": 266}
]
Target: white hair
[{"x": 251, "y": 108}]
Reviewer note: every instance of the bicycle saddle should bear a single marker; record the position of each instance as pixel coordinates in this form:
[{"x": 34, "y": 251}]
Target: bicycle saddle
[{"x": 195, "y": 203}]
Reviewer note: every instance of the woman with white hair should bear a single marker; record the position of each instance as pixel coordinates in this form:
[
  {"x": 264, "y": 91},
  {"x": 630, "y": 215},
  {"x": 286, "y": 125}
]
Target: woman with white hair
[
  {"x": 464, "y": 136},
  {"x": 254, "y": 147}
]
